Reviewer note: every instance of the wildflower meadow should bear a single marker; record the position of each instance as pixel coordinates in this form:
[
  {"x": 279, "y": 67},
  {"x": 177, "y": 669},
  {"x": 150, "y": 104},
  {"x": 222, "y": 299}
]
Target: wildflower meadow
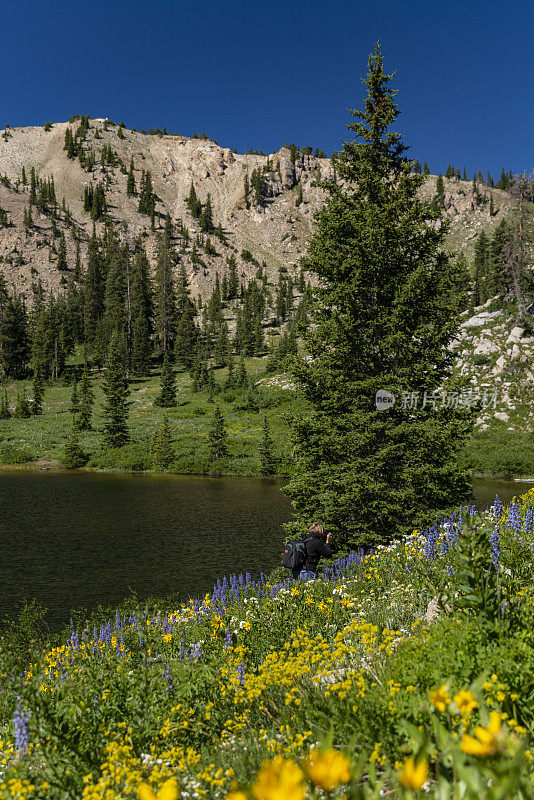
[{"x": 403, "y": 671}]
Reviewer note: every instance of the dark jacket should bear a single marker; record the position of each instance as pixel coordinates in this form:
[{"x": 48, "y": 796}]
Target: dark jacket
[{"x": 315, "y": 549}]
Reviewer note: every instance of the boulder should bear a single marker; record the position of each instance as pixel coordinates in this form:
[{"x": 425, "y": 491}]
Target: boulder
[
  {"x": 516, "y": 352},
  {"x": 287, "y": 172},
  {"x": 515, "y": 335},
  {"x": 484, "y": 346}
]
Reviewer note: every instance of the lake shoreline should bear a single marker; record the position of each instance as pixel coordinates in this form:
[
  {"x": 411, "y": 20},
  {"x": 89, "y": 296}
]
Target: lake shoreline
[{"x": 56, "y": 466}]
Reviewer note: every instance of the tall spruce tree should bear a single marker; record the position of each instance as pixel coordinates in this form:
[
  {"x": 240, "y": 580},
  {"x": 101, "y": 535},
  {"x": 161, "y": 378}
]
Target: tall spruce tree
[
  {"x": 165, "y": 295},
  {"x": 87, "y": 399},
  {"x": 115, "y": 390},
  {"x": 217, "y": 438},
  {"x": 167, "y": 394},
  {"x": 73, "y": 455},
  {"x": 163, "y": 453},
  {"x": 38, "y": 390},
  {"x": 385, "y": 311}
]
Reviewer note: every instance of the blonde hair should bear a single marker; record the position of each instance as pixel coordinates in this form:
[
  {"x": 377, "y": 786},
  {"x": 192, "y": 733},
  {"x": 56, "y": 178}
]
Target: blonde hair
[{"x": 316, "y": 529}]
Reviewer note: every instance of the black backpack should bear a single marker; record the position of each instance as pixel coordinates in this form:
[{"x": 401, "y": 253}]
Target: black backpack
[{"x": 295, "y": 553}]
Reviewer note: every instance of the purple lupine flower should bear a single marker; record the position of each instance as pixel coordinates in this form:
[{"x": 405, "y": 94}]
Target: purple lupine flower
[
  {"x": 241, "y": 673},
  {"x": 227, "y": 639},
  {"x": 513, "y": 519},
  {"x": 495, "y": 548},
  {"x": 529, "y": 521},
  {"x": 497, "y": 509},
  {"x": 22, "y": 731},
  {"x": 431, "y": 538},
  {"x": 168, "y": 677}
]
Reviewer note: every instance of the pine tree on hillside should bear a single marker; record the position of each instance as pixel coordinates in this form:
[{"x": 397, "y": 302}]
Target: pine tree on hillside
[
  {"x": 385, "y": 311},
  {"x": 193, "y": 203},
  {"x": 267, "y": 461},
  {"x": 217, "y": 437},
  {"x": 87, "y": 400},
  {"x": 22, "y": 407},
  {"x": 115, "y": 390},
  {"x": 165, "y": 295},
  {"x": 38, "y": 390},
  {"x": 206, "y": 217},
  {"x": 73, "y": 455},
  {"x": 163, "y": 453},
  {"x": 241, "y": 380},
  {"x": 130, "y": 181},
  {"x": 233, "y": 278},
  {"x": 167, "y": 394},
  {"x": 141, "y": 345},
  {"x": 62, "y": 264}
]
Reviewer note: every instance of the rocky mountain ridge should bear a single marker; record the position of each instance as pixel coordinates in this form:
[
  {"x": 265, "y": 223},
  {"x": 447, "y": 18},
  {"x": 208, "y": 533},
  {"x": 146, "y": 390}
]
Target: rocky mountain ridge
[{"x": 274, "y": 230}]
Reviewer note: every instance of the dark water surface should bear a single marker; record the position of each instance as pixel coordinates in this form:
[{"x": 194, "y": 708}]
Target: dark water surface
[{"x": 80, "y": 539}]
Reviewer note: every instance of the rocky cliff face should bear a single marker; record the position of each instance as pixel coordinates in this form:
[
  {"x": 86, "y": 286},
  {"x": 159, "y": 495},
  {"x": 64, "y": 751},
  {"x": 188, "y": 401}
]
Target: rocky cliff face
[
  {"x": 275, "y": 230},
  {"x": 497, "y": 357}
]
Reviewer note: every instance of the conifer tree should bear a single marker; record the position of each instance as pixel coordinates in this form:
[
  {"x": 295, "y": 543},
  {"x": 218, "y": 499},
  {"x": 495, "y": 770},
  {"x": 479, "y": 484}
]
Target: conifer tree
[
  {"x": 267, "y": 462},
  {"x": 94, "y": 289},
  {"x": 62, "y": 264},
  {"x": 130, "y": 182},
  {"x": 193, "y": 203},
  {"x": 426, "y": 169},
  {"x": 206, "y": 217},
  {"x": 38, "y": 390},
  {"x": 163, "y": 453},
  {"x": 217, "y": 438},
  {"x": 115, "y": 390},
  {"x": 141, "y": 347},
  {"x": 230, "y": 372},
  {"x": 233, "y": 278},
  {"x": 22, "y": 407},
  {"x": 385, "y": 311},
  {"x": 165, "y": 295},
  {"x": 167, "y": 394},
  {"x": 73, "y": 455},
  {"x": 241, "y": 380},
  {"x": 86, "y": 401}
]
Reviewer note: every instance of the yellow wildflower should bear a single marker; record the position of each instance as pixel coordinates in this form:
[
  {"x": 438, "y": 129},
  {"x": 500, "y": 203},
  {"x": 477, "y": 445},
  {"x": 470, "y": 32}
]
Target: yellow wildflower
[
  {"x": 328, "y": 769},
  {"x": 486, "y": 742},
  {"x": 279, "y": 780},
  {"x": 440, "y": 698},
  {"x": 412, "y": 775},
  {"x": 169, "y": 791},
  {"x": 236, "y": 796},
  {"x": 465, "y": 701}
]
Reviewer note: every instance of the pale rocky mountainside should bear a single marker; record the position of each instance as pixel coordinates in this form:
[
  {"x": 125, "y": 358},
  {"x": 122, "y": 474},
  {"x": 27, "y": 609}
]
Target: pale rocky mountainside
[
  {"x": 497, "y": 357},
  {"x": 275, "y": 232},
  {"x": 492, "y": 351}
]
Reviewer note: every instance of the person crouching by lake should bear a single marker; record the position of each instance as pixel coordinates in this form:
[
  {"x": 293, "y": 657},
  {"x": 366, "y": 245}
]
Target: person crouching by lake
[{"x": 317, "y": 546}]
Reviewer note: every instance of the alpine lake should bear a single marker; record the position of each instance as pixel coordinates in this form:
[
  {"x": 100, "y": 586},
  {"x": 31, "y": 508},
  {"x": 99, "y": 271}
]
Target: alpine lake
[{"x": 76, "y": 540}]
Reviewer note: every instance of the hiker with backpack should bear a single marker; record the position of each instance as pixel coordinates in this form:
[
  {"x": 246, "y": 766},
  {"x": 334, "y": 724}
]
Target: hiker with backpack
[{"x": 302, "y": 556}]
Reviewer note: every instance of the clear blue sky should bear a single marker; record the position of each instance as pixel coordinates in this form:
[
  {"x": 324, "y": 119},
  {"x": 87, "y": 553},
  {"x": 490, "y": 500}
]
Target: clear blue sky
[{"x": 258, "y": 73}]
